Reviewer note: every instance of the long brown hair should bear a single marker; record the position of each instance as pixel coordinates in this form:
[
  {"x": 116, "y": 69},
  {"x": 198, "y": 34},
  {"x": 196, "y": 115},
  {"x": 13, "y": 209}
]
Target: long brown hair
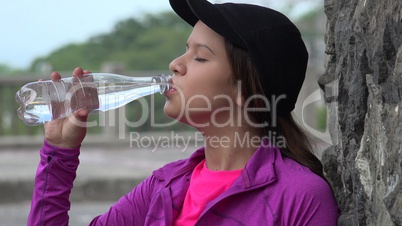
[{"x": 298, "y": 146}]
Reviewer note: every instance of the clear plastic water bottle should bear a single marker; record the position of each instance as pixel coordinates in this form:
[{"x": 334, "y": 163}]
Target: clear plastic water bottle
[{"x": 44, "y": 101}]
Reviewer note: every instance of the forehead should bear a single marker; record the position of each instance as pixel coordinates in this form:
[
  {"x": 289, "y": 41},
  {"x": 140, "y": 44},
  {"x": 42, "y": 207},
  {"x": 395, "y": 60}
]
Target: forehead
[{"x": 202, "y": 34}]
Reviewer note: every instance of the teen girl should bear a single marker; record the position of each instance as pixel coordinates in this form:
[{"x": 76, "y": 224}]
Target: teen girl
[{"x": 238, "y": 79}]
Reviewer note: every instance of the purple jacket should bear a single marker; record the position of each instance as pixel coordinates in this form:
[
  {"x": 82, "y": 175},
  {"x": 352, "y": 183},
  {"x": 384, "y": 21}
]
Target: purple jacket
[{"x": 271, "y": 190}]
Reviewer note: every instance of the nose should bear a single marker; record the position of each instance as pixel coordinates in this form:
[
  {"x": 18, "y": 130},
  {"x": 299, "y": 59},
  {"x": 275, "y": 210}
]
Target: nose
[{"x": 177, "y": 66}]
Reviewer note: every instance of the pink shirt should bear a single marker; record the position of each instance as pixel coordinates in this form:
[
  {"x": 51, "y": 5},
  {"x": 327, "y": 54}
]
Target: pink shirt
[{"x": 205, "y": 186}]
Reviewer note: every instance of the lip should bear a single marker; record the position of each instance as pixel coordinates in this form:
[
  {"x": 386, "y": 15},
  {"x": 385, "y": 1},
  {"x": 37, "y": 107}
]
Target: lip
[
  {"x": 170, "y": 92},
  {"x": 172, "y": 89}
]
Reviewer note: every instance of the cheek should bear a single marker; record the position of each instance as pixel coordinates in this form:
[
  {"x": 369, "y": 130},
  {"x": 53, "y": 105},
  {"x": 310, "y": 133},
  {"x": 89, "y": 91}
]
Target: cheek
[
  {"x": 208, "y": 95},
  {"x": 195, "y": 108},
  {"x": 206, "y": 102},
  {"x": 199, "y": 98}
]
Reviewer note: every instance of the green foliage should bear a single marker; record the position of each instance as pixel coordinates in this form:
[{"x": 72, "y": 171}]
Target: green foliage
[
  {"x": 7, "y": 70},
  {"x": 4, "y": 68},
  {"x": 322, "y": 118},
  {"x": 149, "y": 43}
]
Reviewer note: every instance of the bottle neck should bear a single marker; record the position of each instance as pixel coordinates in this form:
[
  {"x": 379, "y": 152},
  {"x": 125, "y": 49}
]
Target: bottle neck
[{"x": 164, "y": 81}]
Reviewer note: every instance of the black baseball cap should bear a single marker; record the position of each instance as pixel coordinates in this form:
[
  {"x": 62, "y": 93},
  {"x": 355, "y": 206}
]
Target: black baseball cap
[{"x": 272, "y": 41}]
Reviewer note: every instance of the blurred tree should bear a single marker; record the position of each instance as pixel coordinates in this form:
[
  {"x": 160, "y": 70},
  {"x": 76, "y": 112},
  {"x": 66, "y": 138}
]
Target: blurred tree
[
  {"x": 7, "y": 70},
  {"x": 4, "y": 68},
  {"x": 149, "y": 43}
]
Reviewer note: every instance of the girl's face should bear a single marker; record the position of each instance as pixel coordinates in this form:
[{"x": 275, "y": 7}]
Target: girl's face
[{"x": 203, "y": 93}]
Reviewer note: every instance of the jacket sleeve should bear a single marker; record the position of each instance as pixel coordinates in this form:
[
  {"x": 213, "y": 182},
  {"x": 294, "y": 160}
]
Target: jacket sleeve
[
  {"x": 314, "y": 204},
  {"x": 53, "y": 183},
  {"x": 131, "y": 209}
]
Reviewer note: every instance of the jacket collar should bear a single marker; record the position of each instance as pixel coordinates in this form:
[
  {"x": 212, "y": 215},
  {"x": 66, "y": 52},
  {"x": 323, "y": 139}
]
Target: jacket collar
[
  {"x": 177, "y": 169},
  {"x": 258, "y": 171}
]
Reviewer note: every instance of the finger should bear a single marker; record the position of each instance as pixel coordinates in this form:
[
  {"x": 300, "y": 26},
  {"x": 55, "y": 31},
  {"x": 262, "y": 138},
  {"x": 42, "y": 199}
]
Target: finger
[
  {"x": 55, "y": 76},
  {"x": 87, "y": 72},
  {"x": 78, "y": 72}
]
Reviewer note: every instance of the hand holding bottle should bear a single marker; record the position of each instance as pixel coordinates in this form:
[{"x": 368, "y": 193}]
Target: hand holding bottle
[
  {"x": 44, "y": 101},
  {"x": 68, "y": 101},
  {"x": 67, "y": 132}
]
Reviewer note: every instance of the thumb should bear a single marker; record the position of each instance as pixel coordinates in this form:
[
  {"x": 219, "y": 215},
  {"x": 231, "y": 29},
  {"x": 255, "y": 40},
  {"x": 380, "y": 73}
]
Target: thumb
[
  {"x": 80, "y": 117},
  {"x": 82, "y": 114}
]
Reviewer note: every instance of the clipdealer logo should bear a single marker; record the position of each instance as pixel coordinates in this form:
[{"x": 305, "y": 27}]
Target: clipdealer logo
[{"x": 236, "y": 116}]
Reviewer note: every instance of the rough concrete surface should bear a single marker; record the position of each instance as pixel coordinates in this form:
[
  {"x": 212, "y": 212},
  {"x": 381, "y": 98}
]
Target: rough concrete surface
[{"x": 363, "y": 90}]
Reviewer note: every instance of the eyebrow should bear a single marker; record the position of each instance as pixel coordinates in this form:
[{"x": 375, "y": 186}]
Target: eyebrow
[{"x": 199, "y": 45}]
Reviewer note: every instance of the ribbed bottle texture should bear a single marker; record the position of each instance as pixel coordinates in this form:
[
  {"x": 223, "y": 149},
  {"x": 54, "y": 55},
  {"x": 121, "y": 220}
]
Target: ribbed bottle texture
[{"x": 44, "y": 101}]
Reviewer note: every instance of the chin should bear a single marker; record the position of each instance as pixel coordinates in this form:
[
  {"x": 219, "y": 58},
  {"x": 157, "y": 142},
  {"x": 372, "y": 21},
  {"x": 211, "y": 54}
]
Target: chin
[
  {"x": 172, "y": 111},
  {"x": 175, "y": 114}
]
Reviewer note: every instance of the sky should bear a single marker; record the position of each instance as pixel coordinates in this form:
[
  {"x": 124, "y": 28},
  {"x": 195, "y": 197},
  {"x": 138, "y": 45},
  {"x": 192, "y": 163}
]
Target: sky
[{"x": 34, "y": 28}]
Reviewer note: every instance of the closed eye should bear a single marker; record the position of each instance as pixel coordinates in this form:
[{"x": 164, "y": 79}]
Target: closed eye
[{"x": 200, "y": 59}]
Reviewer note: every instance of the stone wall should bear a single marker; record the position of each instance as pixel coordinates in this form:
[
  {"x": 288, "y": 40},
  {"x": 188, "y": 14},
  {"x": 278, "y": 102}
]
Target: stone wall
[{"x": 363, "y": 90}]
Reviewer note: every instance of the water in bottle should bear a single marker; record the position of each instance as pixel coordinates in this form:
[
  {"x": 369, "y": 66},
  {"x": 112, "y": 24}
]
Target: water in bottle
[{"x": 44, "y": 101}]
